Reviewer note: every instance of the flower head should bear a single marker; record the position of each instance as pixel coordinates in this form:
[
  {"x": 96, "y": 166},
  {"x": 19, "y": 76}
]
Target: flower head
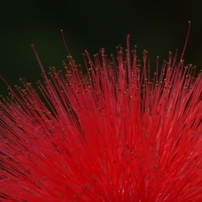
[{"x": 112, "y": 134}]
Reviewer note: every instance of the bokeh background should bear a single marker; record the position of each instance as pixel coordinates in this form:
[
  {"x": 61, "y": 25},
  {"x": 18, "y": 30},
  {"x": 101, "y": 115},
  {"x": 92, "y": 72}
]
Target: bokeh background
[{"x": 158, "y": 26}]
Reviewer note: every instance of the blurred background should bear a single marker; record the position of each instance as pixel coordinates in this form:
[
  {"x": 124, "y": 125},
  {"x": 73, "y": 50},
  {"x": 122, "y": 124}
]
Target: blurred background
[{"x": 157, "y": 26}]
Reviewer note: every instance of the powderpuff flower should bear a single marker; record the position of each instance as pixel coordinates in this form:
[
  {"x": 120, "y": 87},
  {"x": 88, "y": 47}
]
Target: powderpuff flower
[{"x": 110, "y": 134}]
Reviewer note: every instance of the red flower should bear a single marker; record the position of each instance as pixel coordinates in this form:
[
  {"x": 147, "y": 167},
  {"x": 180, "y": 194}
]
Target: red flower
[{"x": 116, "y": 135}]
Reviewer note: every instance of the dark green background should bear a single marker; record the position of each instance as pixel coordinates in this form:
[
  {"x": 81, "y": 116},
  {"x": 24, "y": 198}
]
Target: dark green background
[{"x": 158, "y": 26}]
